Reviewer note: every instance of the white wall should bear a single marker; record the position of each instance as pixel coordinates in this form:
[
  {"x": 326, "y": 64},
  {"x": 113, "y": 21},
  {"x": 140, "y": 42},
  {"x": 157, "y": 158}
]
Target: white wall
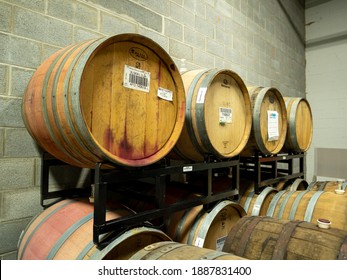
[{"x": 326, "y": 79}]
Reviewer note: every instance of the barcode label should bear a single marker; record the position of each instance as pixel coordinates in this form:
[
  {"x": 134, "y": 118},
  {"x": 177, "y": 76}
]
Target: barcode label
[
  {"x": 225, "y": 115},
  {"x": 136, "y": 78},
  {"x": 220, "y": 243}
]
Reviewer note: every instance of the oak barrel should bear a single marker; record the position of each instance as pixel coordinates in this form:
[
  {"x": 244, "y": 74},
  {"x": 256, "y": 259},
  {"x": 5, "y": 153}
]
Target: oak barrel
[
  {"x": 65, "y": 231},
  {"x": 118, "y": 99},
  {"x": 310, "y": 206},
  {"x": 218, "y": 115},
  {"x": 269, "y": 121},
  {"x": 257, "y": 204},
  {"x": 193, "y": 225},
  {"x": 266, "y": 238},
  {"x": 300, "y": 125},
  {"x": 292, "y": 185},
  {"x": 328, "y": 186},
  {"x": 167, "y": 250}
]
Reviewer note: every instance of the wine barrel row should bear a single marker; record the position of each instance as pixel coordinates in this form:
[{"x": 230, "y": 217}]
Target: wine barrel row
[
  {"x": 122, "y": 100},
  {"x": 65, "y": 231}
]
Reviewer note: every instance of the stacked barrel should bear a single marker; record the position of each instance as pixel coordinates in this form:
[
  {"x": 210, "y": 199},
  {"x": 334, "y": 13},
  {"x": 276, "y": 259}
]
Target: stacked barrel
[{"x": 122, "y": 101}]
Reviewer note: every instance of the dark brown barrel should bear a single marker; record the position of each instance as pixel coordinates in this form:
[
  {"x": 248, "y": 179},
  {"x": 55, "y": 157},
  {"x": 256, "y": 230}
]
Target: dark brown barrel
[
  {"x": 269, "y": 124},
  {"x": 64, "y": 231},
  {"x": 218, "y": 115},
  {"x": 310, "y": 206},
  {"x": 118, "y": 99},
  {"x": 178, "y": 251},
  {"x": 300, "y": 125},
  {"x": 265, "y": 238}
]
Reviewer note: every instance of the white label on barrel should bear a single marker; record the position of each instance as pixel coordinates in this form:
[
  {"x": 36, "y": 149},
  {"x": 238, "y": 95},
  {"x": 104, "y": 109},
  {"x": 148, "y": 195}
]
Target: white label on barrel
[
  {"x": 220, "y": 243},
  {"x": 165, "y": 94},
  {"x": 136, "y": 78},
  {"x": 225, "y": 115},
  {"x": 201, "y": 95},
  {"x": 272, "y": 122},
  {"x": 187, "y": 168},
  {"x": 199, "y": 242}
]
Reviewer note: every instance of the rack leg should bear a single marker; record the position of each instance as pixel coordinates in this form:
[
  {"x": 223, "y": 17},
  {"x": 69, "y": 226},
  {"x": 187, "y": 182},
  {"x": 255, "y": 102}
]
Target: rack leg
[{"x": 99, "y": 204}]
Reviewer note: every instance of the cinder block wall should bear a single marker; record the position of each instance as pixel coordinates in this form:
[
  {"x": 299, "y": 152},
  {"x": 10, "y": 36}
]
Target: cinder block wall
[{"x": 260, "y": 40}]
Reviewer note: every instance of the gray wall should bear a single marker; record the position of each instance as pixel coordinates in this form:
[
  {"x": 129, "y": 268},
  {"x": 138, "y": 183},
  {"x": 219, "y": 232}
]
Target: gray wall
[
  {"x": 260, "y": 40},
  {"x": 326, "y": 74}
]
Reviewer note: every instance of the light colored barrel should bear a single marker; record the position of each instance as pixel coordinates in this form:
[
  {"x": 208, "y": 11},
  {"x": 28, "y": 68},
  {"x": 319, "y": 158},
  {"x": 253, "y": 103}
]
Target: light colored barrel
[
  {"x": 118, "y": 99},
  {"x": 178, "y": 251},
  {"x": 300, "y": 125},
  {"x": 269, "y": 124},
  {"x": 328, "y": 186},
  {"x": 292, "y": 185},
  {"x": 218, "y": 115},
  {"x": 310, "y": 206},
  {"x": 257, "y": 204},
  {"x": 265, "y": 238},
  {"x": 64, "y": 231}
]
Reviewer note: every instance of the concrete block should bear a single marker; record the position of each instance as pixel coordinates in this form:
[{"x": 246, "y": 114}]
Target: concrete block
[
  {"x": 82, "y": 34},
  {"x": 16, "y": 173},
  {"x": 48, "y": 50},
  {"x": 19, "y": 144},
  {"x": 36, "y": 5},
  {"x": 194, "y": 38},
  {"x": 173, "y": 29},
  {"x": 205, "y": 27},
  {"x": 2, "y": 141},
  {"x": 215, "y": 48},
  {"x": 20, "y": 204},
  {"x": 115, "y": 25},
  {"x": 42, "y": 28},
  {"x": 198, "y": 7},
  {"x": 232, "y": 55},
  {"x": 139, "y": 13},
  {"x": 179, "y": 14},
  {"x": 239, "y": 17},
  {"x": 159, "y": 6},
  {"x": 74, "y": 12},
  {"x": 10, "y": 233},
  {"x": 160, "y": 39},
  {"x": 19, "y": 51},
  {"x": 19, "y": 81},
  {"x": 9, "y": 256},
  {"x": 10, "y": 112},
  {"x": 5, "y": 17},
  {"x": 180, "y": 50},
  {"x": 4, "y": 77},
  {"x": 203, "y": 59}
]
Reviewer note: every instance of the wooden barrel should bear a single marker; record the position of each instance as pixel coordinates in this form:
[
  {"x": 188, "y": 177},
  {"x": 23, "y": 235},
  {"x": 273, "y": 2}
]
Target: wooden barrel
[
  {"x": 218, "y": 115},
  {"x": 65, "y": 231},
  {"x": 194, "y": 225},
  {"x": 167, "y": 250},
  {"x": 118, "y": 99},
  {"x": 257, "y": 204},
  {"x": 300, "y": 125},
  {"x": 265, "y": 238},
  {"x": 329, "y": 186},
  {"x": 269, "y": 124},
  {"x": 297, "y": 184},
  {"x": 207, "y": 229},
  {"x": 310, "y": 206}
]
